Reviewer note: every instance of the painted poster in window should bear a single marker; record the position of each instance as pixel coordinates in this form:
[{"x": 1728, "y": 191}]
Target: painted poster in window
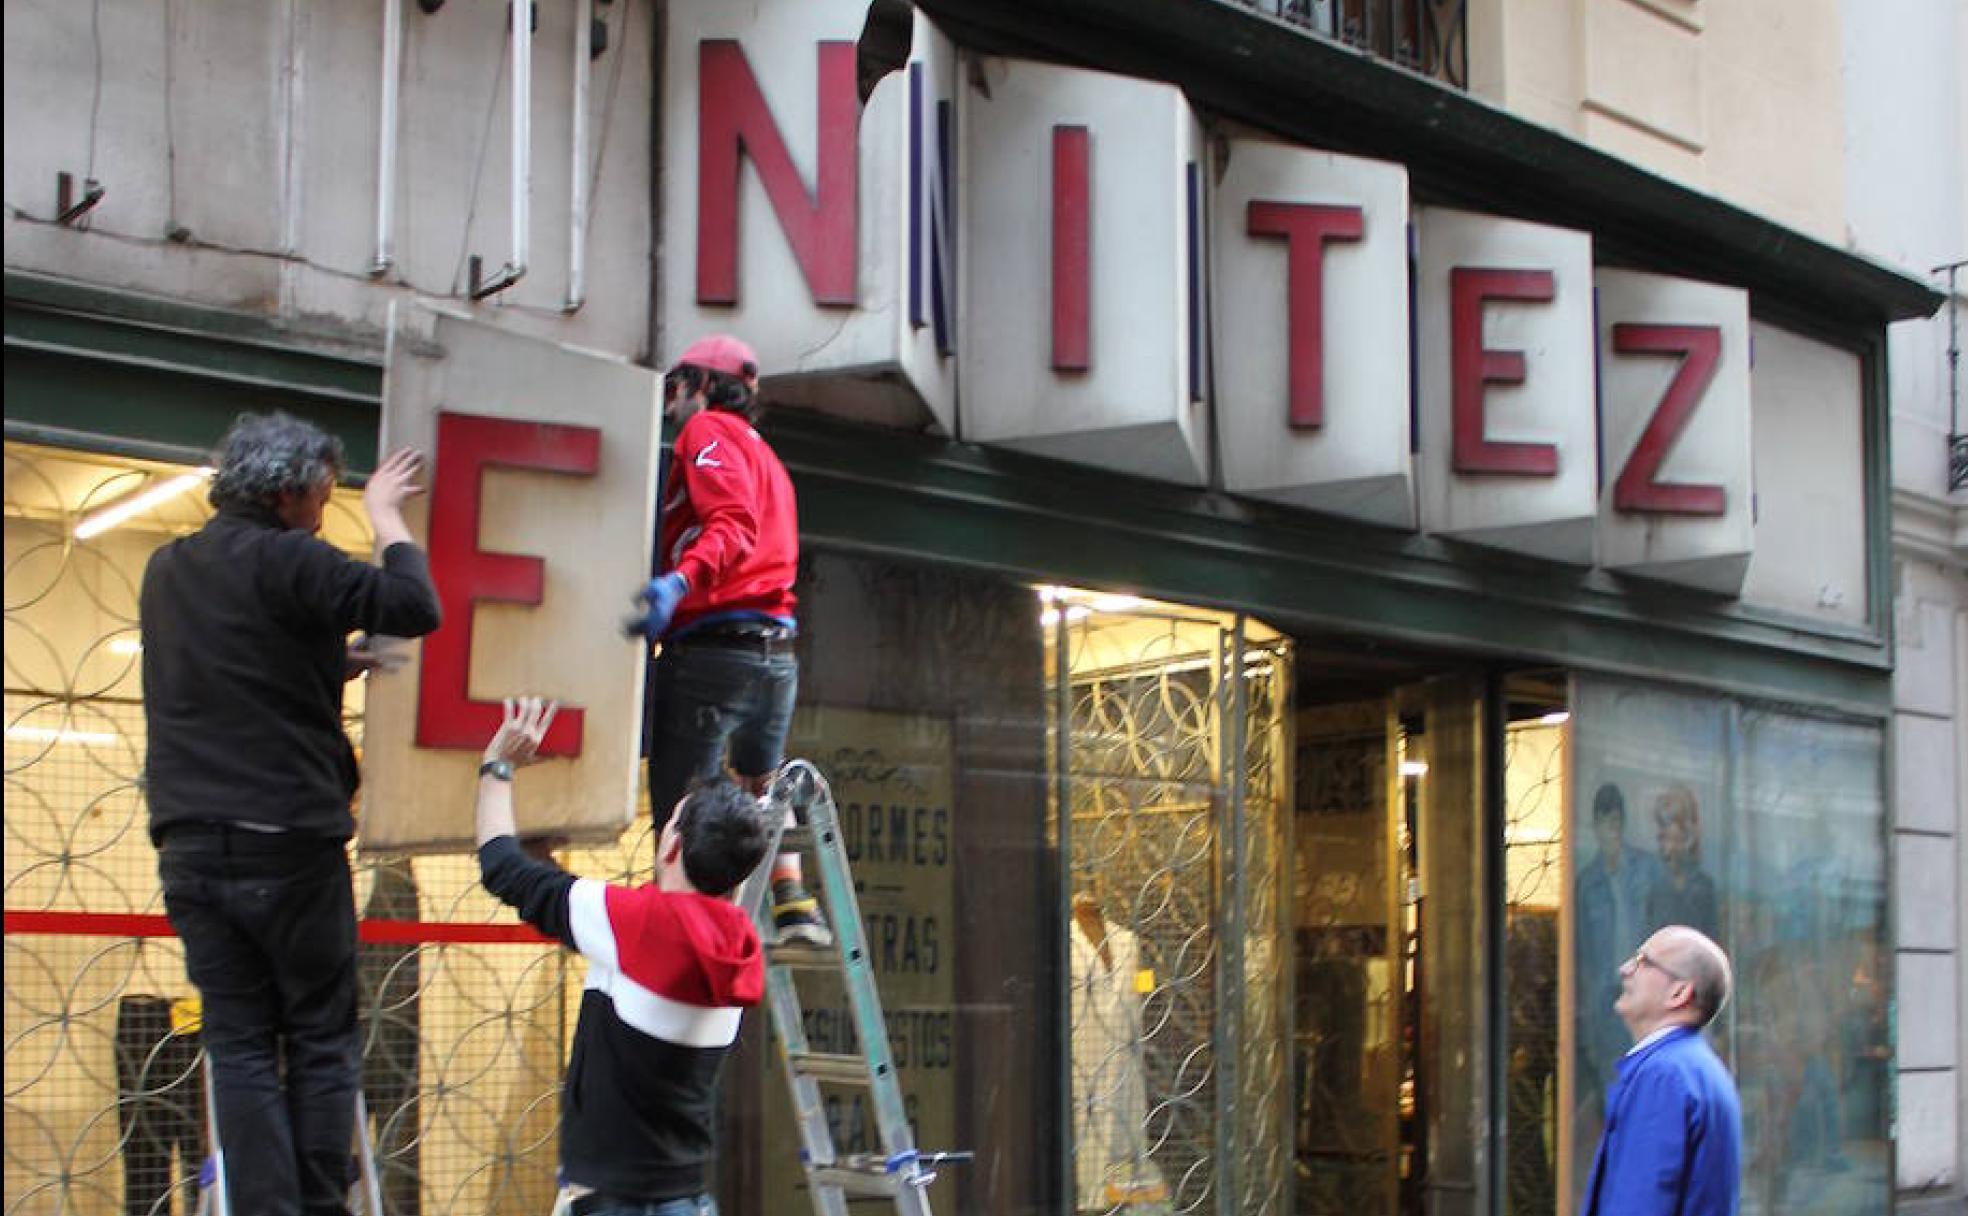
[{"x": 1649, "y": 841}]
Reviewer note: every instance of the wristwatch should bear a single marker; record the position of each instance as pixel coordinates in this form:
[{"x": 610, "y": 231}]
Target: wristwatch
[{"x": 498, "y": 770}]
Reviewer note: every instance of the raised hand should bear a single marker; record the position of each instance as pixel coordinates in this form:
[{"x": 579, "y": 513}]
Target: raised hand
[
  {"x": 390, "y": 486},
  {"x": 522, "y": 730}
]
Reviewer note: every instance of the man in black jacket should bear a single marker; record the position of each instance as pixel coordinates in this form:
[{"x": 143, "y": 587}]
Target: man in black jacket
[
  {"x": 671, "y": 966},
  {"x": 249, "y": 779}
]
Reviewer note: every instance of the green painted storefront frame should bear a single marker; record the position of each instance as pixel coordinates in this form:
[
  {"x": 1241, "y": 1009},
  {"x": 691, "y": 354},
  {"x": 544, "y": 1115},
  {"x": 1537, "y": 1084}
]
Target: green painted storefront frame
[
  {"x": 113, "y": 371},
  {"x": 160, "y": 377}
]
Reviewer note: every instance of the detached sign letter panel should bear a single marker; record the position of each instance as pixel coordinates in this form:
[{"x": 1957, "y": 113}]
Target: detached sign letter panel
[{"x": 542, "y": 476}]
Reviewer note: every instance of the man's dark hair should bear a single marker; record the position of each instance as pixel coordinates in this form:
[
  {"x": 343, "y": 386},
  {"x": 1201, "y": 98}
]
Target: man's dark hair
[
  {"x": 265, "y": 456},
  {"x": 722, "y": 391},
  {"x": 1609, "y": 802},
  {"x": 724, "y": 834}
]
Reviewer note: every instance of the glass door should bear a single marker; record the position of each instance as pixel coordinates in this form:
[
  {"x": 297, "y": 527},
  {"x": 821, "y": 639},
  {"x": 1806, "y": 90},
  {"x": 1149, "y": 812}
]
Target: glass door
[{"x": 1387, "y": 1037}]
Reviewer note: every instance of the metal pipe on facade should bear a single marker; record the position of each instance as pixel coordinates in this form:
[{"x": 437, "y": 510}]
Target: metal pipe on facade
[
  {"x": 1957, "y": 439},
  {"x": 577, "y": 173},
  {"x": 386, "y": 144},
  {"x": 522, "y": 168}
]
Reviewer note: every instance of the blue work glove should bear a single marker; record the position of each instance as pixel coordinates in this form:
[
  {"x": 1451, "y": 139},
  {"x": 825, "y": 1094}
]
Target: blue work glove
[{"x": 661, "y": 597}]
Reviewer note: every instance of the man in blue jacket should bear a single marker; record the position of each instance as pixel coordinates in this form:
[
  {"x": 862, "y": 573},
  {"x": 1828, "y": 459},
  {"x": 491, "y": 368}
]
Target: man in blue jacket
[{"x": 1673, "y": 1139}]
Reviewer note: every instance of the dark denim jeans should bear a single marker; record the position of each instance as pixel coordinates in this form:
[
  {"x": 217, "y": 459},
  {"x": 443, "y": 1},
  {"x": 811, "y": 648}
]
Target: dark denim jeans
[
  {"x": 268, "y": 925},
  {"x": 706, "y": 696}
]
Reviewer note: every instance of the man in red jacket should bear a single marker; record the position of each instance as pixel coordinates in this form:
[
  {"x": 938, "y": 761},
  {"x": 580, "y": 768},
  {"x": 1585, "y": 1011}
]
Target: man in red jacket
[{"x": 728, "y": 549}]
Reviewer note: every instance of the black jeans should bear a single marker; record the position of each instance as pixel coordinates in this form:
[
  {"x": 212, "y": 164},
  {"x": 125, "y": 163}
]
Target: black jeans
[
  {"x": 268, "y": 925},
  {"x": 706, "y": 696}
]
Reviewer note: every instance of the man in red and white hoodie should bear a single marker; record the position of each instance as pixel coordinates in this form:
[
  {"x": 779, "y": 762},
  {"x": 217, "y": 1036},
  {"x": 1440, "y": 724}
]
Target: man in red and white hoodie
[
  {"x": 671, "y": 967},
  {"x": 722, "y": 605}
]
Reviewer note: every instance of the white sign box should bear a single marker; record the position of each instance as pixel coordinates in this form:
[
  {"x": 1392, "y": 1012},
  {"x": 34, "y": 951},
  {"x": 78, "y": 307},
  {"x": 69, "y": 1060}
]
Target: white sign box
[
  {"x": 1311, "y": 351},
  {"x": 1082, "y": 205},
  {"x": 814, "y": 228},
  {"x": 1674, "y": 430},
  {"x": 1509, "y": 451},
  {"x": 542, "y": 479}
]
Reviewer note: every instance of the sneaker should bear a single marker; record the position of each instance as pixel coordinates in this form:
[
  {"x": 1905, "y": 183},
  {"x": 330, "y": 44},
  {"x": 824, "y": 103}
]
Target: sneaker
[{"x": 796, "y": 915}]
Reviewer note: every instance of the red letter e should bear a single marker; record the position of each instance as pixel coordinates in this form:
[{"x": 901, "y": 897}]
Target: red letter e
[{"x": 467, "y": 445}]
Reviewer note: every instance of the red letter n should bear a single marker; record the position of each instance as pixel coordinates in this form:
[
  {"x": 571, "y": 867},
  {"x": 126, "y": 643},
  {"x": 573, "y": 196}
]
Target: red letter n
[
  {"x": 821, "y": 226},
  {"x": 1472, "y": 366},
  {"x": 467, "y": 445},
  {"x": 1700, "y": 348},
  {"x": 1306, "y": 230}
]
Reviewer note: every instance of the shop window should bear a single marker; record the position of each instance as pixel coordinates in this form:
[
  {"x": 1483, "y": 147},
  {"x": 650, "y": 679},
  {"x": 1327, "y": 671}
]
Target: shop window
[{"x": 1765, "y": 828}]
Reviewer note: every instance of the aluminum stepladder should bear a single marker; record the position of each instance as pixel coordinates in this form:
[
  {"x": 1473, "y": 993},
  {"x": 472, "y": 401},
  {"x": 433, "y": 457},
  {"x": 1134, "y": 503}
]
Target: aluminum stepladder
[
  {"x": 898, "y": 1173},
  {"x": 212, "y": 1197}
]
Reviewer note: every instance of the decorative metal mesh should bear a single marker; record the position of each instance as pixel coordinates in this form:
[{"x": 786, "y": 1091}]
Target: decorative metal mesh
[
  {"x": 1535, "y": 783},
  {"x": 1263, "y": 1071},
  {"x": 463, "y": 1043},
  {"x": 1145, "y": 761}
]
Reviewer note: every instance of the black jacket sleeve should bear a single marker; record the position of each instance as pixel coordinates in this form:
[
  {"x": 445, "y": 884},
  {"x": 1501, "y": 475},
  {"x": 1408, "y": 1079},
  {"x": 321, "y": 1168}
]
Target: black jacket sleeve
[
  {"x": 325, "y": 584},
  {"x": 537, "y": 890}
]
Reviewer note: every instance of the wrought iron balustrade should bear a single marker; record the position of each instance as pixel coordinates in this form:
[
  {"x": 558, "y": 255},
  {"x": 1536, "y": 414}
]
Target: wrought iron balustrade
[{"x": 1426, "y": 36}]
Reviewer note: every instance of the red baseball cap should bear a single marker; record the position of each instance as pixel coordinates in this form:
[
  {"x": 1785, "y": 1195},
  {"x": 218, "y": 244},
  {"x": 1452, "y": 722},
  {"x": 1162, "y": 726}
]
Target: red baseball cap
[{"x": 721, "y": 353}]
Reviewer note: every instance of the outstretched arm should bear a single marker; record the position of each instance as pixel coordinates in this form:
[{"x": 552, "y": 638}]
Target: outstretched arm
[{"x": 535, "y": 888}]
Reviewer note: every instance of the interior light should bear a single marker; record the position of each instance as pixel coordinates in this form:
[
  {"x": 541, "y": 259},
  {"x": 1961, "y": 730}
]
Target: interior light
[
  {"x": 1074, "y": 612},
  {"x": 1116, "y": 603},
  {"x": 1414, "y": 768},
  {"x": 1557, "y": 718},
  {"x": 143, "y": 500},
  {"x": 43, "y": 734}
]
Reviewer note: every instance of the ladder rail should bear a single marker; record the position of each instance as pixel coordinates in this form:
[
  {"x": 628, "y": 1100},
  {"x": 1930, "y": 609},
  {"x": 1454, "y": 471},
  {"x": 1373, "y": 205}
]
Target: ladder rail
[{"x": 898, "y": 1175}]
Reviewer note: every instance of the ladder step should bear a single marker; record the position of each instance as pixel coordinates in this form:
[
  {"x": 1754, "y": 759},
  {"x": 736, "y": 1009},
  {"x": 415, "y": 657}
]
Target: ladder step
[
  {"x": 829, "y": 1066},
  {"x": 857, "y": 1183},
  {"x": 801, "y": 955},
  {"x": 797, "y": 839}
]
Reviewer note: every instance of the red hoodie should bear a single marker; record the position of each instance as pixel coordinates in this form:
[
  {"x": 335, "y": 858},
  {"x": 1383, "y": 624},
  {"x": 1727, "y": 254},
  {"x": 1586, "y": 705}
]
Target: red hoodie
[
  {"x": 669, "y": 975},
  {"x": 730, "y": 524}
]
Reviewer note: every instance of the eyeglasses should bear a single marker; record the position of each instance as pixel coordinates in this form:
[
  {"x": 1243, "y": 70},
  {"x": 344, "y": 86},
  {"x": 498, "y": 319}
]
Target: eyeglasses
[{"x": 1642, "y": 959}]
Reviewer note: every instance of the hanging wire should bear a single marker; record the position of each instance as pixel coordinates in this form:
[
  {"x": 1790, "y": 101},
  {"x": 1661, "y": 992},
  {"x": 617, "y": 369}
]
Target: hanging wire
[
  {"x": 478, "y": 169},
  {"x": 95, "y": 100}
]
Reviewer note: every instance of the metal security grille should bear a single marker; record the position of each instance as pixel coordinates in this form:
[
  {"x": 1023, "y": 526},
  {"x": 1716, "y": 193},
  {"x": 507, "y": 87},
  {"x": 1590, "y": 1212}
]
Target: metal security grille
[
  {"x": 1533, "y": 834},
  {"x": 1170, "y": 770},
  {"x": 1261, "y": 927},
  {"x": 466, "y": 1015}
]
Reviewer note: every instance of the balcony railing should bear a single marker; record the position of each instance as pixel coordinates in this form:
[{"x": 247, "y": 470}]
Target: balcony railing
[{"x": 1426, "y": 36}]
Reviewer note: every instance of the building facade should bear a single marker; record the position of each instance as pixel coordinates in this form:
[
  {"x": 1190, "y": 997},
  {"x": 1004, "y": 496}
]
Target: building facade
[{"x": 1324, "y": 523}]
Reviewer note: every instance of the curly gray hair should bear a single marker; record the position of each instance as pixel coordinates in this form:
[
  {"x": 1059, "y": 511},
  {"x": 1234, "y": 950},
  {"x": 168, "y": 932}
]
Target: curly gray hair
[{"x": 266, "y": 455}]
